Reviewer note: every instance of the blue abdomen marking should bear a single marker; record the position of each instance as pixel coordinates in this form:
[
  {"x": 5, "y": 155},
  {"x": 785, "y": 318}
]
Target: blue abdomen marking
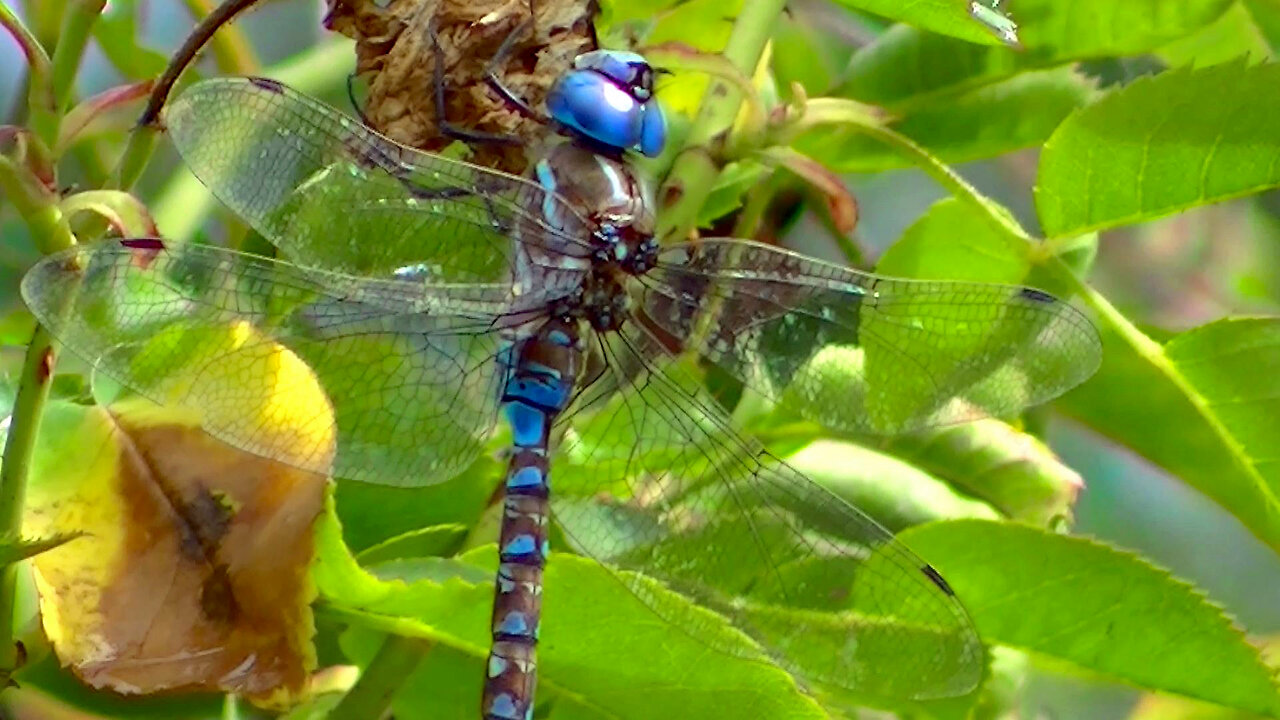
[
  {"x": 547, "y": 178},
  {"x": 543, "y": 392},
  {"x": 520, "y": 547},
  {"x": 528, "y": 424},
  {"x": 526, "y": 478},
  {"x": 541, "y": 371}
]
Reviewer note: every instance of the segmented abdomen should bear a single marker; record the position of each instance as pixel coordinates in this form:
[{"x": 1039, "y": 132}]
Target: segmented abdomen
[{"x": 540, "y": 380}]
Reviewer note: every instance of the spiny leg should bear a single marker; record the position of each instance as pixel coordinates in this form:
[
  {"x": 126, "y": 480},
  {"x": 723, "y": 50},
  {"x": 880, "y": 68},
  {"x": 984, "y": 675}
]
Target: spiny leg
[
  {"x": 355, "y": 104},
  {"x": 499, "y": 59},
  {"x": 494, "y": 80},
  {"x": 447, "y": 128}
]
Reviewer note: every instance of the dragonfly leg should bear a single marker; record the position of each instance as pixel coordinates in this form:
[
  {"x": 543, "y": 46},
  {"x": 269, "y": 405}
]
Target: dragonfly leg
[
  {"x": 447, "y": 128},
  {"x": 499, "y": 58},
  {"x": 351, "y": 97}
]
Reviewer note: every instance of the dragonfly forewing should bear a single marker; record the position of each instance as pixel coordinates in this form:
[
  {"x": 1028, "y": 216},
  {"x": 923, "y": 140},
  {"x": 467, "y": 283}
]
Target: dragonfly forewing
[{"x": 333, "y": 194}]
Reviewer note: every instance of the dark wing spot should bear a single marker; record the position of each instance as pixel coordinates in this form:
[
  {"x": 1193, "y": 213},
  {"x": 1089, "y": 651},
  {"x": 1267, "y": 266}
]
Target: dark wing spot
[
  {"x": 933, "y": 575},
  {"x": 143, "y": 243},
  {"x": 1035, "y": 295},
  {"x": 145, "y": 250},
  {"x": 268, "y": 84}
]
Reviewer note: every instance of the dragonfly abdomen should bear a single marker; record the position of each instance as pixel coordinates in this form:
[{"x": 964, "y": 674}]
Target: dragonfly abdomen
[{"x": 538, "y": 387}]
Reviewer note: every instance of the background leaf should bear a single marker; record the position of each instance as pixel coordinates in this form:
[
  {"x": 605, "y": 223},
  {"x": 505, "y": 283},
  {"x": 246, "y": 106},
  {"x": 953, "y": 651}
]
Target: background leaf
[
  {"x": 964, "y": 125},
  {"x": 1162, "y": 144},
  {"x": 1125, "y": 617},
  {"x": 1089, "y": 28},
  {"x": 1205, "y": 410},
  {"x": 605, "y": 654},
  {"x": 940, "y": 16}
]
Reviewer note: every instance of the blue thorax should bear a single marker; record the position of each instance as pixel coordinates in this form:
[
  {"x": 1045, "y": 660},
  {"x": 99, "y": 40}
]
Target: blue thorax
[{"x": 607, "y": 100}]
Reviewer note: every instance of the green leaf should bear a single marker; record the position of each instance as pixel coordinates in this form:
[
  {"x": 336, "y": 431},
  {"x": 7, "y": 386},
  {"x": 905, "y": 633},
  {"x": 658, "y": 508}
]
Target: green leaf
[
  {"x": 733, "y": 182},
  {"x": 372, "y": 514},
  {"x": 895, "y": 493},
  {"x": 999, "y": 464},
  {"x": 952, "y": 241},
  {"x": 1232, "y": 36},
  {"x": 1266, "y": 17},
  {"x": 1099, "y": 608},
  {"x": 806, "y": 54},
  {"x": 1058, "y": 30},
  {"x": 968, "y": 124},
  {"x": 1204, "y": 408},
  {"x": 602, "y": 653},
  {"x": 946, "y": 17},
  {"x": 12, "y": 551},
  {"x": 8, "y": 392},
  {"x": 117, "y": 34},
  {"x": 1160, "y": 145},
  {"x": 878, "y": 73},
  {"x": 602, "y": 650},
  {"x": 434, "y": 541}
]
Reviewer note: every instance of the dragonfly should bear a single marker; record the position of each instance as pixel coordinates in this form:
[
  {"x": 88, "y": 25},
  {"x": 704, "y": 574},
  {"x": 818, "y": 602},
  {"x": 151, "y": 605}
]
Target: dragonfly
[{"x": 438, "y": 303}]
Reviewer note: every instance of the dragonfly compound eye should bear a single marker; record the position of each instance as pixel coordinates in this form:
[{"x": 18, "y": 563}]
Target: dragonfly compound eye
[{"x": 607, "y": 99}]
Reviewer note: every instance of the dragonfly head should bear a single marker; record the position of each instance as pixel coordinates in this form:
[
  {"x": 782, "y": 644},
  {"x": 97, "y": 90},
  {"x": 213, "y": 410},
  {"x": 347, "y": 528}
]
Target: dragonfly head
[{"x": 607, "y": 100}]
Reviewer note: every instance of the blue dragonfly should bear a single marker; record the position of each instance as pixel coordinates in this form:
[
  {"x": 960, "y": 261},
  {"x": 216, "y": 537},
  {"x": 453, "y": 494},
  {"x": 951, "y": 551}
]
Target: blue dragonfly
[{"x": 433, "y": 301}]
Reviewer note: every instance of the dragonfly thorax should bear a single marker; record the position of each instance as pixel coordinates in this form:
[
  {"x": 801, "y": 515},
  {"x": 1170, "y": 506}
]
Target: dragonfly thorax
[
  {"x": 631, "y": 250},
  {"x": 611, "y": 196},
  {"x": 602, "y": 300}
]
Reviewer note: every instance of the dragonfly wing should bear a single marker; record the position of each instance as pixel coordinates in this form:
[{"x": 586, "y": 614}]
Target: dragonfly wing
[
  {"x": 380, "y": 381},
  {"x": 825, "y": 590},
  {"x": 333, "y": 194},
  {"x": 863, "y": 352}
]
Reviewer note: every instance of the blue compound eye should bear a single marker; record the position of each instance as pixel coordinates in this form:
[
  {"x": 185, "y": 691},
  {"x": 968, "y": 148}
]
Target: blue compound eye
[
  {"x": 608, "y": 99},
  {"x": 630, "y": 71}
]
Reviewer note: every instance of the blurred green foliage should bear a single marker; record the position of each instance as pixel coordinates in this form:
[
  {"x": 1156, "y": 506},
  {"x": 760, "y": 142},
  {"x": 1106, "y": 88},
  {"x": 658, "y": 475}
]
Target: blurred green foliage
[{"x": 1108, "y": 131}]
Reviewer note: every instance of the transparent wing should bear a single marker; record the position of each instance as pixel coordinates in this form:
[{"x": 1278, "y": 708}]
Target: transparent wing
[
  {"x": 333, "y": 194},
  {"x": 826, "y": 591},
  {"x": 863, "y": 352},
  {"x": 380, "y": 381}
]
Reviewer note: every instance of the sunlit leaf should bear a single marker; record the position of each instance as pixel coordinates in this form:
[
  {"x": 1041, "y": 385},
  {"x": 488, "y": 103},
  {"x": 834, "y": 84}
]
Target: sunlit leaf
[
  {"x": 1163, "y": 144},
  {"x": 991, "y": 460},
  {"x": 1204, "y": 409},
  {"x": 940, "y": 16},
  {"x": 894, "y": 492},
  {"x": 591, "y": 623},
  {"x": 952, "y": 242},
  {"x": 1101, "y": 609},
  {"x": 964, "y": 124},
  {"x": 1232, "y": 36},
  {"x": 191, "y": 572},
  {"x": 1093, "y": 28}
]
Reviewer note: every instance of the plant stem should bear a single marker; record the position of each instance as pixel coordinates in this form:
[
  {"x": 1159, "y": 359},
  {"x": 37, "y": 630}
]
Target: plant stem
[
  {"x": 370, "y": 697},
  {"x": 232, "y": 52},
  {"x": 40, "y": 98},
  {"x": 33, "y": 390},
  {"x": 202, "y": 33},
  {"x": 694, "y": 172},
  {"x": 37, "y": 204},
  {"x": 79, "y": 20}
]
